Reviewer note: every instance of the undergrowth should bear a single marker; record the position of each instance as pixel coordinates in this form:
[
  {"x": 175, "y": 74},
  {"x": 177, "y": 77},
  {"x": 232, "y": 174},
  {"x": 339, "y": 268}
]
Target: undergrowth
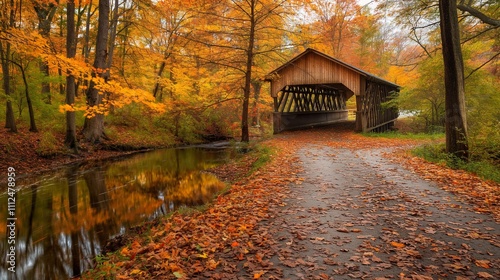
[
  {"x": 484, "y": 155},
  {"x": 263, "y": 154},
  {"x": 480, "y": 163},
  {"x": 410, "y": 135}
]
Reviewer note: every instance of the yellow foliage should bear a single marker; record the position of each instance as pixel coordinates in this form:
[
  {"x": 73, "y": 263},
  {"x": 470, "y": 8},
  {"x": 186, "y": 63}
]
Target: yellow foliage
[
  {"x": 66, "y": 108},
  {"x": 31, "y": 43},
  {"x": 401, "y": 76}
]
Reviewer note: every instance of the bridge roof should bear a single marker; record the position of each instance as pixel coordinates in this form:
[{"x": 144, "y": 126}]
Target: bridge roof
[{"x": 312, "y": 67}]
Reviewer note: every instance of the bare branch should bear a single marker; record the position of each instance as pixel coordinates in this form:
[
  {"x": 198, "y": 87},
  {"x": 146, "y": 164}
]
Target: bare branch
[
  {"x": 482, "y": 65},
  {"x": 478, "y": 14}
]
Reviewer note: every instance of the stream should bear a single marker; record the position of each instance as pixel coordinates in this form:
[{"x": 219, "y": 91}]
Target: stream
[{"x": 65, "y": 218}]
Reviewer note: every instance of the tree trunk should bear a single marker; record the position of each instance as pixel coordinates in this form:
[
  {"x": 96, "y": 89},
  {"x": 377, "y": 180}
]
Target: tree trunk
[
  {"x": 10, "y": 121},
  {"x": 45, "y": 13},
  {"x": 28, "y": 100},
  {"x": 455, "y": 122},
  {"x": 245, "y": 137},
  {"x": 93, "y": 128},
  {"x": 112, "y": 36},
  {"x": 70, "y": 139},
  {"x": 257, "y": 85},
  {"x": 157, "y": 85},
  {"x": 86, "y": 43}
]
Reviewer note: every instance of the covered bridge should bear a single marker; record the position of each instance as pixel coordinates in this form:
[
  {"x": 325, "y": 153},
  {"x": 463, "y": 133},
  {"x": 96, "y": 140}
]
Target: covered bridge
[{"x": 312, "y": 89}]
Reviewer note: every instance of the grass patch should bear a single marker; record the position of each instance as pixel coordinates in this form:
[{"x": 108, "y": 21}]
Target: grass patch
[
  {"x": 407, "y": 136},
  {"x": 482, "y": 167},
  {"x": 263, "y": 155},
  {"x": 49, "y": 145}
]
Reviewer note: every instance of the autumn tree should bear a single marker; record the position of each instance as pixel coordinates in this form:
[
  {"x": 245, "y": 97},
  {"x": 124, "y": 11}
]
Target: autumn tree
[
  {"x": 8, "y": 17},
  {"x": 240, "y": 31},
  {"x": 460, "y": 23},
  {"x": 174, "y": 15},
  {"x": 335, "y": 25},
  {"x": 70, "y": 139},
  {"x": 22, "y": 68},
  {"x": 93, "y": 128},
  {"x": 424, "y": 93},
  {"x": 455, "y": 124},
  {"x": 45, "y": 11}
]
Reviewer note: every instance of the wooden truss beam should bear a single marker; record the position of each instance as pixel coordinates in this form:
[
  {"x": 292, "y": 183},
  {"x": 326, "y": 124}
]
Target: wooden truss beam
[
  {"x": 295, "y": 99},
  {"x": 375, "y": 113}
]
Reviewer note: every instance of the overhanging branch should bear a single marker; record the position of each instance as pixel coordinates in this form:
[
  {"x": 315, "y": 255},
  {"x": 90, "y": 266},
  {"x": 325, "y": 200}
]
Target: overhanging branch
[{"x": 478, "y": 14}]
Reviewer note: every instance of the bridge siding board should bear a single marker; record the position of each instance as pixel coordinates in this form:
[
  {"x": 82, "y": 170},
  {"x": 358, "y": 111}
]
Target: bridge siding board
[{"x": 314, "y": 69}]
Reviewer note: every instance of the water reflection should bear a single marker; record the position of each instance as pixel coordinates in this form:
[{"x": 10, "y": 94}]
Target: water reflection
[{"x": 65, "y": 219}]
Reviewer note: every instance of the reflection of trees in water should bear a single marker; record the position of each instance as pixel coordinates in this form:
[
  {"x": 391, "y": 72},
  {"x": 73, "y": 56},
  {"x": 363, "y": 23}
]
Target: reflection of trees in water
[
  {"x": 65, "y": 221},
  {"x": 169, "y": 176},
  {"x": 100, "y": 204},
  {"x": 71, "y": 177},
  {"x": 193, "y": 189},
  {"x": 51, "y": 256},
  {"x": 98, "y": 192}
]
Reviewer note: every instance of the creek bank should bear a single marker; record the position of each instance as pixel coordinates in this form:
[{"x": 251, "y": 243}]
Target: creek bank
[{"x": 22, "y": 151}]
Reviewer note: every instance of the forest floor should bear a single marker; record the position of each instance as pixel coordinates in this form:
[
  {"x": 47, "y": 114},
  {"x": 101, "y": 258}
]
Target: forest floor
[
  {"x": 30, "y": 154},
  {"x": 330, "y": 204}
]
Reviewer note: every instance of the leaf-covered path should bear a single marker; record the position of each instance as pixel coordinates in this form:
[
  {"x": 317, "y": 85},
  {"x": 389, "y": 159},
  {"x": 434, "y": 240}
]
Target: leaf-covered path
[
  {"x": 331, "y": 204},
  {"x": 358, "y": 216}
]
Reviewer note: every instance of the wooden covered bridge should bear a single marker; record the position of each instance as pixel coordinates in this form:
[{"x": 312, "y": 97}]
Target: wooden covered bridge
[{"x": 312, "y": 89}]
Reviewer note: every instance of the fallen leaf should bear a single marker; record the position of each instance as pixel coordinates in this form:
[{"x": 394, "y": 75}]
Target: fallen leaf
[
  {"x": 421, "y": 277},
  {"x": 135, "y": 271},
  {"x": 484, "y": 275},
  {"x": 397, "y": 244},
  {"x": 203, "y": 256},
  {"x": 258, "y": 274},
  {"x": 483, "y": 263},
  {"x": 125, "y": 251},
  {"x": 343, "y": 229},
  {"x": 178, "y": 274},
  {"x": 211, "y": 264},
  {"x": 430, "y": 230}
]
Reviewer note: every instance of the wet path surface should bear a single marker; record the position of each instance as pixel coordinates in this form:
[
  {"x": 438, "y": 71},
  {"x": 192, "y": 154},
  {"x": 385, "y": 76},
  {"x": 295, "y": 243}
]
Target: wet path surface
[{"x": 356, "y": 215}]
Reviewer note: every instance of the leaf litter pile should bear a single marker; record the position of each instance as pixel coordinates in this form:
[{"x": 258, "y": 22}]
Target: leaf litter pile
[{"x": 328, "y": 205}]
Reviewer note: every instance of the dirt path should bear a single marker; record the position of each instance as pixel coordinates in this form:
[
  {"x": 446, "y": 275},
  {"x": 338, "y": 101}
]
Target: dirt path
[{"x": 358, "y": 216}]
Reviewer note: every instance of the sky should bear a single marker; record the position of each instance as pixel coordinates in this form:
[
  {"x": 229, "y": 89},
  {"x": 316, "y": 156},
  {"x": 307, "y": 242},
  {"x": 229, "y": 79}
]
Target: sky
[{"x": 364, "y": 2}]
